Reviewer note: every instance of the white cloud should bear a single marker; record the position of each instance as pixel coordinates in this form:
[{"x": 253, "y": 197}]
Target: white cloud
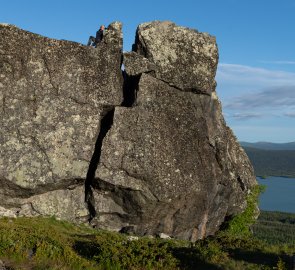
[
  {"x": 290, "y": 114},
  {"x": 253, "y": 76},
  {"x": 260, "y": 91},
  {"x": 246, "y": 115},
  {"x": 279, "y": 62},
  {"x": 258, "y": 103},
  {"x": 273, "y": 97}
]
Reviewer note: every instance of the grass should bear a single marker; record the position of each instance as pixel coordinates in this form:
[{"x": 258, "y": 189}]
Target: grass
[
  {"x": 46, "y": 243},
  {"x": 41, "y": 243}
]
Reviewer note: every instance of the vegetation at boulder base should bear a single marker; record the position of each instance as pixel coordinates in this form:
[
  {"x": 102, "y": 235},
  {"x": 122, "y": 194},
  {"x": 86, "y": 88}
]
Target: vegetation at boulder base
[
  {"x": 46, "y": 243},
  {"x": 240, "y": 224}
]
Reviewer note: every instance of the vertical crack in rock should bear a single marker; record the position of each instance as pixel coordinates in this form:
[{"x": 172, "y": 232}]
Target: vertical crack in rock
[
  {"x": 105, "y": 125},
  {"x": 242, "y": 185},
  {"x": 134, "y": 66},
  {"x": 130, "y": 88}
]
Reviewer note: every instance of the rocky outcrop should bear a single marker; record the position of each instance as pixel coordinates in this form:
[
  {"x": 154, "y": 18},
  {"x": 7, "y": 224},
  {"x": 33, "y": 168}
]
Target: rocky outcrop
[
  {"x": 169, "y": 163},
  {"x": 54, "y": 95},
  {"x": 153, "y": 153},
  {"x": 185, "y": 58},
  {"x": 166, "y": 177}
]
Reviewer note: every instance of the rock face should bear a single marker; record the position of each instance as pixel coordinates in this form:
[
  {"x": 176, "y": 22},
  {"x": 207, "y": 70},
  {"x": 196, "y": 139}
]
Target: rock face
[
  {"x": 53, "y": 97},
  {"x": 136, "y": 64},
  {"x": 2, "y": 266},
  {"x": 158, "y": 161},
  {"x": 184, "y": 58}
]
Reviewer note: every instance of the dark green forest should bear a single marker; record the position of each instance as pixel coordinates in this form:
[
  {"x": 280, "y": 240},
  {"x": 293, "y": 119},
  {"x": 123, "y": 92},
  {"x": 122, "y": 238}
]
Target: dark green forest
[
  {"x": 272, "y": 162},
  {"x": 270, "y": 146}
]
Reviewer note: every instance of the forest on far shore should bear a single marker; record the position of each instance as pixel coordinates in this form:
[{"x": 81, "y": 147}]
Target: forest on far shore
[{"x": 272, "y": 162}]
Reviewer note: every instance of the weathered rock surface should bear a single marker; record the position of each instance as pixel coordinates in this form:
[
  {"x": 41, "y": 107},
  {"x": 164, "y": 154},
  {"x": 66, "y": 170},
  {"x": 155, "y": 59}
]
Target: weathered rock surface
[
  {"x": 3, "y": 267},
  {"x": 184, "y": 58},
  {"x": 160, "y": 161},
  {"x": 169, "y": 164},
  {"x": 172, "y": 165},
  {"x": 53, "y": 96},
  {"x": 136, "y": 64}
]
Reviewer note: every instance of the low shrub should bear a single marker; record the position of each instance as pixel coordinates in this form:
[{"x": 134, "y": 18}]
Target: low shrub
[{"x": 240, "y": 224}]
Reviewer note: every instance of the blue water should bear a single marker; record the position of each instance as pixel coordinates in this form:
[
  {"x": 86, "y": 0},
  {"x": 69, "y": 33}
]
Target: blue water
[{"x": 279, "y": 194}]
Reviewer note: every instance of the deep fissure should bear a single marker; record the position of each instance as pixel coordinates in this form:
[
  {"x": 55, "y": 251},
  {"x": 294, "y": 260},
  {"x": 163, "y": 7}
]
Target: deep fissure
[
  {"x": 105, "y": 125},
  {"x": 130, "y": 88}
]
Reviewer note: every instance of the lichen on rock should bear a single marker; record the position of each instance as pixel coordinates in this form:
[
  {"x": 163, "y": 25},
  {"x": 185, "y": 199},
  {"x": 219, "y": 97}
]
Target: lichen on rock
[
  {"x": 53, "y": 96},
  {"x": 184, "y": 57}
]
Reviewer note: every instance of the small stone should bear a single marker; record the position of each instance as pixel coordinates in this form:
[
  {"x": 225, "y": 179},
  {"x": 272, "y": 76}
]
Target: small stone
[
  {"x": 164, "y": 236},
  {"x": 2, "y": 266}
]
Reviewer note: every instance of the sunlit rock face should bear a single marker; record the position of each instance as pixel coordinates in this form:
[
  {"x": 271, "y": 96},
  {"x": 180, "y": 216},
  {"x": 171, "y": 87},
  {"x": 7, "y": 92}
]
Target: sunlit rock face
[
  {"x": 53, "y": 96},
  {"x": 185, "y": 58},
  {"x": 146, "y": 152}
]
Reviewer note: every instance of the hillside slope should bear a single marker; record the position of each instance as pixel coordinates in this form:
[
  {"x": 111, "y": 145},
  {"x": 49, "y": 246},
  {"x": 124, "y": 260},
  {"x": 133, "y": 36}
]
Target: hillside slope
[{"x": 46, "y": 243}]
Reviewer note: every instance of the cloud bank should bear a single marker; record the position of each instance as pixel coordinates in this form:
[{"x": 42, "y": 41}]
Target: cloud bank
[
  {"x": 250, "y": 93},
  {"x": 273, "y": 97},
  {"x": 279, "y": 62},
  {"x": 246, "y": 115},
  {"x": 254, "y": 76},
  {"x": 290, "y": 114}
]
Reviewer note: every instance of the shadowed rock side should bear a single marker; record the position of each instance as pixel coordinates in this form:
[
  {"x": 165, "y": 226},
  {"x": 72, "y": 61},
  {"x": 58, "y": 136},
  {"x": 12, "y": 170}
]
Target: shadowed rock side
[
  {"x": 169, "y": 164},
  {"x": 53, "y": 96}
]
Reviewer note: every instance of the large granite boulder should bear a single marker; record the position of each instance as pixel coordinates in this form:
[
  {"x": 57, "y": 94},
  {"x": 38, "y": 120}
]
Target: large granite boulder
[
  {"x": 169, "y": 163},
  {"x": 150, "y": 153},
  {"x": 53, "y": 95}
]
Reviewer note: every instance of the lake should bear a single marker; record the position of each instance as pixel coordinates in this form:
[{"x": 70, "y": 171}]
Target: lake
[{"x": 279, "y": 194}]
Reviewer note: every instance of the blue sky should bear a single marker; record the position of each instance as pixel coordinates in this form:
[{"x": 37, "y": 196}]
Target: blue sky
[{"x": 256, "y": 72}]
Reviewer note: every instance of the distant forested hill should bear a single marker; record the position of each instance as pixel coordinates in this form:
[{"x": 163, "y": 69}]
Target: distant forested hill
[
  {"x": 270, "y": 146},
  {"x": 272, "y": 162}
]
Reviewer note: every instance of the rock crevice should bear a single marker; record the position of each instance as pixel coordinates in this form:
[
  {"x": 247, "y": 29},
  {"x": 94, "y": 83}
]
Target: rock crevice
[
  {"x": 105, "y": 126},
  {"x": 130, "y": 89}
]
